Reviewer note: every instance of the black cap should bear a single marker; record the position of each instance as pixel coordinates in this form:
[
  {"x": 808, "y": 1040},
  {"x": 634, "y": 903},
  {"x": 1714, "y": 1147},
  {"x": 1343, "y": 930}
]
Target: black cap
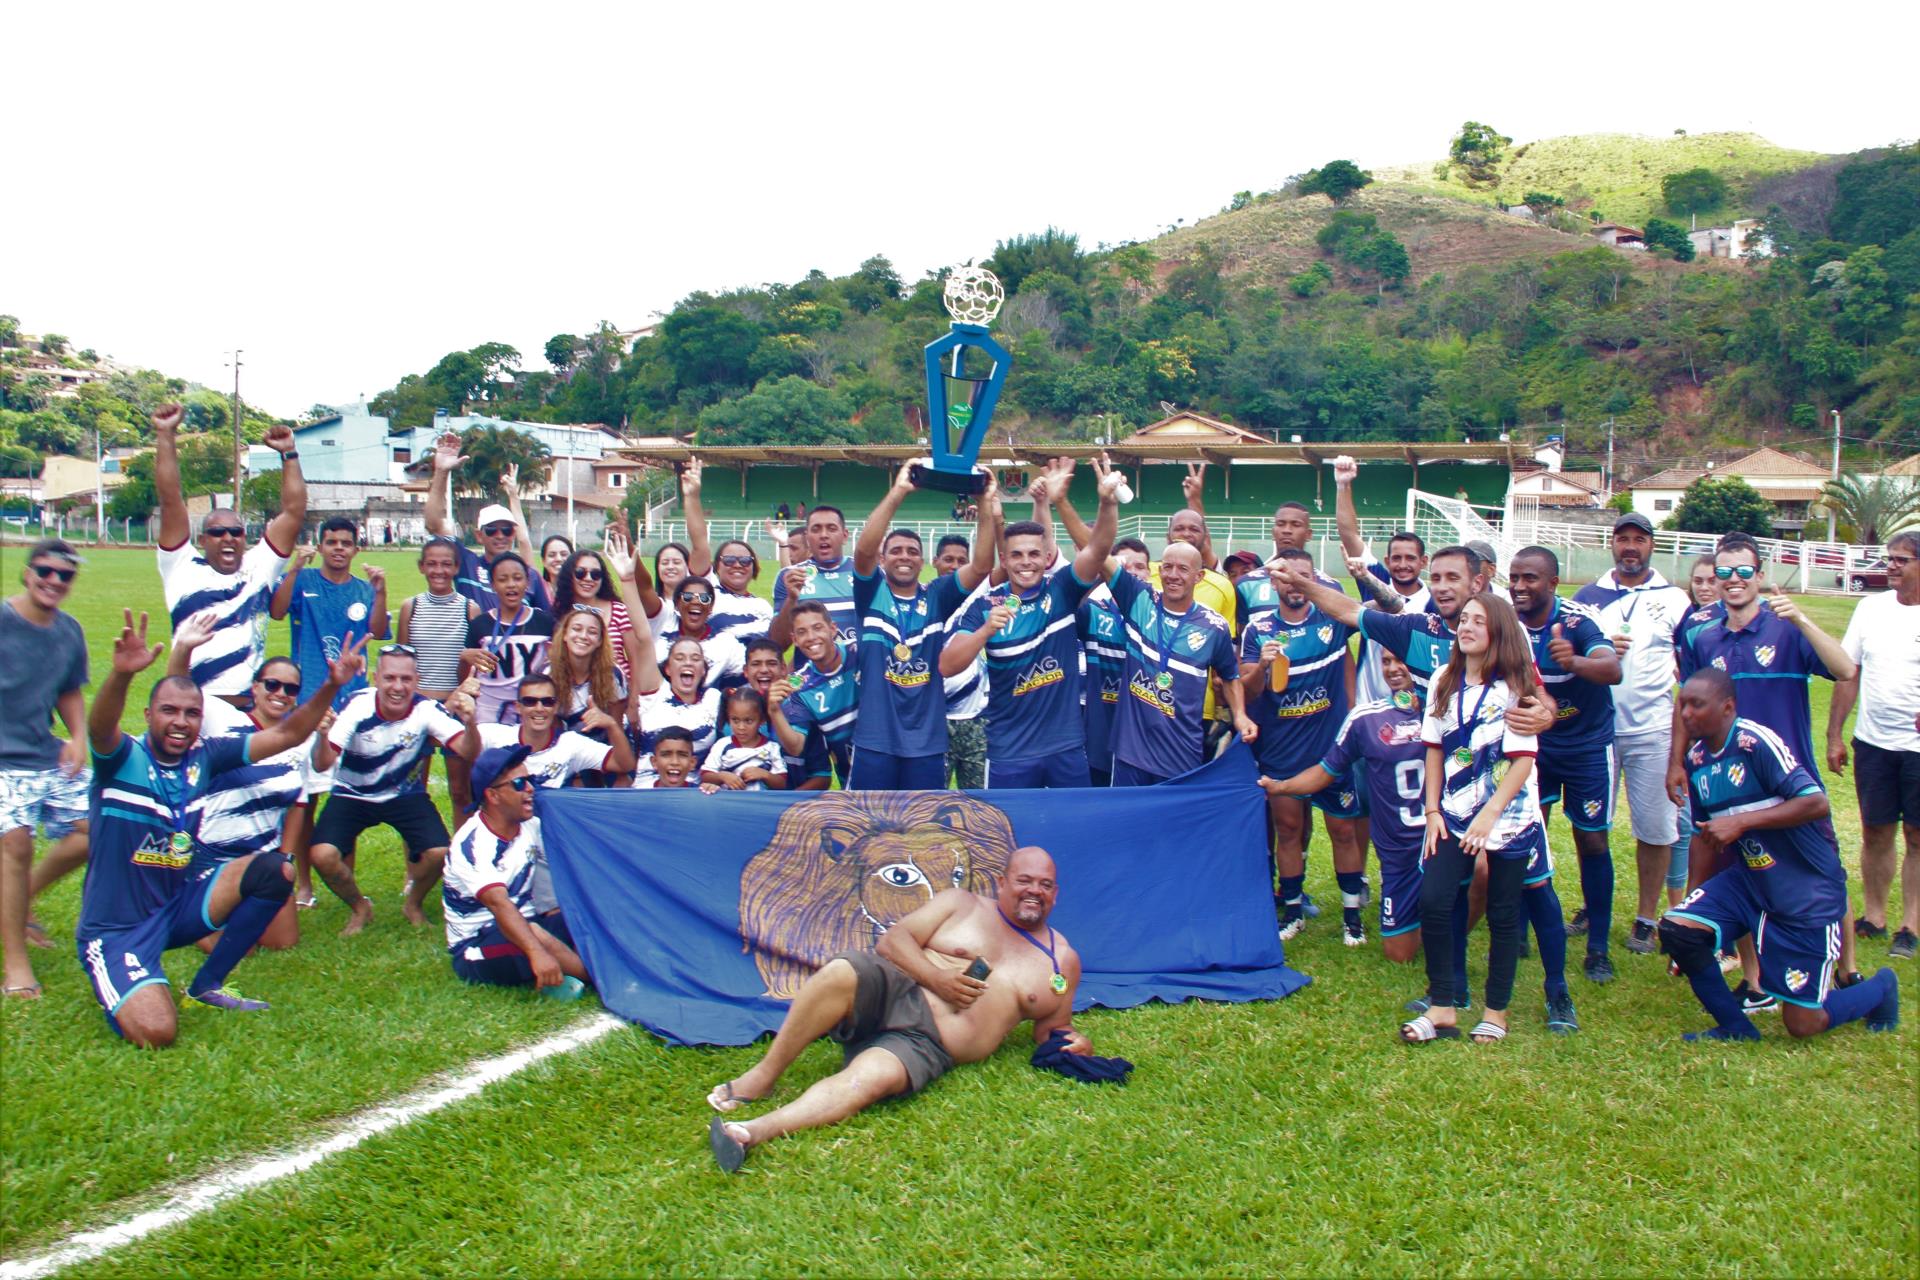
[
  {"x": 493, "y": 762},
  {"x": 1633, "y": 520}
]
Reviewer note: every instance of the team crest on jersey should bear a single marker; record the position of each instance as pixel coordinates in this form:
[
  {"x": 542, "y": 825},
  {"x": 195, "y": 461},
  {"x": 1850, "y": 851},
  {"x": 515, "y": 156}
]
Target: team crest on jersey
[
  {"x": 1403, "y": 731},
  {"x": 1796, "y": 979},
  {"x": 1736, "y": 773},
  {"x": 1721, "y": 663},
  {"x": 1593, "y": 808},
  {"x": 1195, "y": 640},
  {"x": 1326, "y": 634},
  {"x": 1764, "y": 655},
  {"x": 193, "y": 774},
  {"x": 1347, "y": 799}
]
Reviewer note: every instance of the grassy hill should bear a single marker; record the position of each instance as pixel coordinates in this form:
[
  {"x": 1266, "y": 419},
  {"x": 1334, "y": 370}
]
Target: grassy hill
[{"x": 1620, "y": 172}]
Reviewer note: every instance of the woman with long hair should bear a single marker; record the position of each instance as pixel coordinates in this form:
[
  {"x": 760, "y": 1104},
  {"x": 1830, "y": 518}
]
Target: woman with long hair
[
  {"x": 585, "y": 579},
  {"x": 1702, "y": 587},
  {"x": 1482, "y": 798},
  {"x": 434, "y": 623},
  {"x": 670, "y": 569},
  {"x": 581, "y": 664},
  {"x": 694, "y": 601},
  {"x": 554, "y": 553}
]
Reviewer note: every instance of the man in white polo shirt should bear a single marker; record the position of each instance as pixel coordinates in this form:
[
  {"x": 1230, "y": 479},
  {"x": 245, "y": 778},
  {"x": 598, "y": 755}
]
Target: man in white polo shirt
[{"x": 1884, "y": 639}]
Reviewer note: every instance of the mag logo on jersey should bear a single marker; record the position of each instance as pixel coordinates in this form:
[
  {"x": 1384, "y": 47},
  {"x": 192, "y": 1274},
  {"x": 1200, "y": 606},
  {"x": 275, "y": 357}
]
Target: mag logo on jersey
[{"x": 1043, "y": 673}]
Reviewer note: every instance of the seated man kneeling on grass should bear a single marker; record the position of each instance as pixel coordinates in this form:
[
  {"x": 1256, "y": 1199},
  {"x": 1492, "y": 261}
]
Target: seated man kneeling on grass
[
  {"x": 912, "y": 1008},
  {"x": 488, "y": 890}
]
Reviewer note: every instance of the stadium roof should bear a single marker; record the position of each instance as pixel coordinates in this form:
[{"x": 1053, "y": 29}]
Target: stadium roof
[{"x": 1131, "y": 450}]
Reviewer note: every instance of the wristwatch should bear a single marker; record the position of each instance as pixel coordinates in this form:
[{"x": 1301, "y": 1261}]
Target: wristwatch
[{"x": 291, "y": 455}]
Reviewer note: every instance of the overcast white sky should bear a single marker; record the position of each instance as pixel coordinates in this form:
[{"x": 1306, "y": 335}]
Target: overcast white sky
[{"x": 348, "y": 191}]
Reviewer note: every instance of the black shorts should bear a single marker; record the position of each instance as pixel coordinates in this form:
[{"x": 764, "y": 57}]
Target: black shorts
[
  {"x": 489, "y": 958},
  {"x": 1888, "y": 784},
  {"x": 414, "y": 817},
  {"x": 890, "y": 1012}
]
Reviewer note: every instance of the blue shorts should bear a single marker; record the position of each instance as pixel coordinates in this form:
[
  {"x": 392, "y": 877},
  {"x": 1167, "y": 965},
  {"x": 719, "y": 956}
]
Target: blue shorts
[
  {"x": 1062, "y": 769},
  {"x": 1399, "y": 892},
  {"x": 883, "y": 771},
  {"x": 1797, "y": 954},
  {"x": 1540, "y": 865},
  {"x": 1338, "y": 799},
  {"x": 491, "y": 959},
  {"x": 1126, "y": 775},
  {"x": 1584, "y": 776},
  {"x": 121, "y": 961}
]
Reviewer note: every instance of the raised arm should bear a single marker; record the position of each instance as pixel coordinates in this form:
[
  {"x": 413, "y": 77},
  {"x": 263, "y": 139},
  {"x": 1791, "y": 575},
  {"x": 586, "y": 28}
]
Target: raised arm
[
  {"x": 1384, "y": 597},
  {"x": 873, "y": 534},
  {"x": 619, "y": 555},
  {"x": 379, "y": 624},
  {"x": 188, "y": 636},
  {"x": 446, "y": 460},
  {"x": 282, "y": 602},
  {"x": 1090, "y": 564},
  {"x": 1332, "y": 601},
  {"x": 522, "y": 535},
  {"x": 780, "y": 629},
  {"x": 175, "y": 526},
  {"x": 986, "y": 539},
  {"x": 131, "y": 656},
  {"x": 305, "y": 718},
  {"x": 699, "y": 547},
  {"x": 284, "y": 529},
  {"x": 1345, "y": 519},
  {"x": 1831, "y": 652}
]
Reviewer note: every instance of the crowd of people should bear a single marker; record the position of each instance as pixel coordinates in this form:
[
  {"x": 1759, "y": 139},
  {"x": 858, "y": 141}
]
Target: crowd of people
[{"x": 1439, "y": 719}]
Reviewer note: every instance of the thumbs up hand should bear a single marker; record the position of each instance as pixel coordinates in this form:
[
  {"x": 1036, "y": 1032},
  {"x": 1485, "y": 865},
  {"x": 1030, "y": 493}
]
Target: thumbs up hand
[{"x": 1560, "y": 649}]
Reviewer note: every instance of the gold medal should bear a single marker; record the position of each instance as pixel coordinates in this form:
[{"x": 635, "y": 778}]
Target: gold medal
[
  {"x": 1060, "y": 984},
  {"x": 901, "y": 652},
  {"x": 796, "y": 680},
  {"x": 181, "y": 842},
  {"x": 1463, "y": 756}
]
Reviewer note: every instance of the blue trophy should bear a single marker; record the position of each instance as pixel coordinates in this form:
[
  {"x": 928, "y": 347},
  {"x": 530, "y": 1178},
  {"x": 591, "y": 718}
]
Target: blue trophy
[{"x": 965, "y": 371}]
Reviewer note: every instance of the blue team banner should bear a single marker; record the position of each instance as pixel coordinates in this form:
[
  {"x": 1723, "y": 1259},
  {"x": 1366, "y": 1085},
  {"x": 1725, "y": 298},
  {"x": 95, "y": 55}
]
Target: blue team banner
[{"x": 700, "y": 916}]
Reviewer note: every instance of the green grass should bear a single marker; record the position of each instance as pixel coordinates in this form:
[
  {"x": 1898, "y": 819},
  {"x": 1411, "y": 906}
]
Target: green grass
[{"x": 1292, "y": 1137}]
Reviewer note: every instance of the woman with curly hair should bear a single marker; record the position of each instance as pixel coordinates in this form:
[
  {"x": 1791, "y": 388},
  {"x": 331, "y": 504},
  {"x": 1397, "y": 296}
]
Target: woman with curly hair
[{"x": 585, "y": 580}]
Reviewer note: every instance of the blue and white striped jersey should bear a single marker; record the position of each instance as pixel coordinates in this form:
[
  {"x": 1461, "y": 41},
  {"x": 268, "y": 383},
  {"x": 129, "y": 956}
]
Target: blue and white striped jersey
[
  {"x": 383, "y": 759},
  {"x": 1476, "y": 748},
  {"x": 226, "y": 662},
  {"x": 744, "y": 617},
  {"x": 478, "y": 859},
  {"x": 246, "y": 807}
]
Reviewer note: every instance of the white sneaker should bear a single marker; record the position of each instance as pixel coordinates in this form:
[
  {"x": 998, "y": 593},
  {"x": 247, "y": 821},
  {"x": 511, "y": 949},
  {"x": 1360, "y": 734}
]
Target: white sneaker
[
  {"x": 1291, "y": 929},
  {"x": 1353, "y": 935}
]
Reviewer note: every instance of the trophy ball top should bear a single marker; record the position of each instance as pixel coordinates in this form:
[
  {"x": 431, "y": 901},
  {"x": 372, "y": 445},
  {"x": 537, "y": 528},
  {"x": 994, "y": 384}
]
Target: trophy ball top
[{"x": 973, "y": 295}]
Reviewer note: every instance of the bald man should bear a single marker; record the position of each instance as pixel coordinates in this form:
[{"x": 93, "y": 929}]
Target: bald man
[{"x": 908, "y": 1011}]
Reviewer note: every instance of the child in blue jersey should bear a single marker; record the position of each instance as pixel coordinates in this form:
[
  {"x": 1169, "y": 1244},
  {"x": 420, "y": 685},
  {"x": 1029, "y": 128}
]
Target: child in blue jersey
[
  {"x": 814, "y": 720},
  {"x": 1751, "y": 797},
  {"x": 900, "y": 739},
  {"x": 825, "y": 578},
  {"x": 149, "y": 886},
  {"x": 323, "y": 606},
  {"x": 1175, "y": 647},
  {"x": 1030, "y": 634},
  {"x": 1579, "y": 667},
  {"x": 1481, "y": 800},
  {"x": 1295, "y": 674}
]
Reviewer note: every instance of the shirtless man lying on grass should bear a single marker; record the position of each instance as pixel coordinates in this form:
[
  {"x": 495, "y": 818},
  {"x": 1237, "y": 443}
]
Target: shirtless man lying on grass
[{"x": 908, "y": 1011}]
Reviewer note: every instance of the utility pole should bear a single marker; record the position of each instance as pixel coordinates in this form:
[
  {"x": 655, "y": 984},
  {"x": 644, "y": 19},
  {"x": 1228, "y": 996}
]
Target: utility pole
[
  {"x": 99, "y": 491},
  {"x": 238, "y": 471},
  {"x": 1836, "y": 470},
  {"x": 1609, "y": 484}
]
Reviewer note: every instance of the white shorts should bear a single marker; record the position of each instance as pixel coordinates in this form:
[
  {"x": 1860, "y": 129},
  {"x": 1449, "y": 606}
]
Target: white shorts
[
  {"x": 45, "y": 799},
  {"x": 1640, "y": 761}
]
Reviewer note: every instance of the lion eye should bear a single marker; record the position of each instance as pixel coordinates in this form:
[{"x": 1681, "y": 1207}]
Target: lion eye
[
  {"x": 901, "y": 875},
  {"x": 959, "y": 876}
]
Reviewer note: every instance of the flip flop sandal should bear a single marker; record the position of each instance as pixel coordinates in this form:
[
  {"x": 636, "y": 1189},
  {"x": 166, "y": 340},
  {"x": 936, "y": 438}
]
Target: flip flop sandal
[
  {"x": 29, "y": 992},
  {"x": 1422, "y": 1029},
  {"x": 728, "y": 1152},
  {"x": 737, "y": 1100},
  {"x": 311, "y": 900},
  {"x": 37, "y": 936},
  {"x": 1488, "y": 1033}
]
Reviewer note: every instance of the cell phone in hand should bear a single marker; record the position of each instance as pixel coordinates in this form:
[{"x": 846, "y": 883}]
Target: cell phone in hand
[{"x": 979, "y": 969}]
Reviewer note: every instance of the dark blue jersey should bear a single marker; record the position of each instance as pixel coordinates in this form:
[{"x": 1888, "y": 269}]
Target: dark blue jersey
[
  {"x": 829, "y": 704},
  {"x": 830, "y": 585},
  {"x": 144, "y": 828},
  {"x": 1385, "y": 738},
  {"x": 903, "y": 701},
  {"x": 1771, "y": 662},
  {"x": 1103, "y": 643},
  {"x": 1421, "y": 640},
  {"x": 1033, "y": 668},
  {"x": 476, "y": 584},
  {"x": 1171, "y": 657},
  {"x": 1585, "y": 708},
  {"x": 321, "y": 615},
  {"x": 1794, "y": 871},
  {"x": 1298, "y": 721}
]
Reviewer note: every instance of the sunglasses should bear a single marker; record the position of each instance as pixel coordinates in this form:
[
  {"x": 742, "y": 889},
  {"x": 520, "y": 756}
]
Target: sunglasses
[
  {"x": 498, "y": 530},
  {"x": 278, "y": 686},
  {"x": 585, "y": 574},
  {"x": 407, "y": 649},
  {"x": 521, "y": 783},
  {"x": 1725, "y": 571},
  {"x": 224, "y": 531},
  {"x": 697, "y": 597},
  {"x": 54, "y": 571},
  {"x": 737, "y": 562},
  {"x": 528, "y": 700},
  {"x": 587, "y": 608},
  {"x": 1898, "y": 562}
]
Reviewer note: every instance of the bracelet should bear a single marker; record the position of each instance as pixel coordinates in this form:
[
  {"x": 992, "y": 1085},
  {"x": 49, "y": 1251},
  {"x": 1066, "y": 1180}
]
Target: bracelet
[
  {"x": 1435, "y": 813},
  {"x": 291, "y": 455}
]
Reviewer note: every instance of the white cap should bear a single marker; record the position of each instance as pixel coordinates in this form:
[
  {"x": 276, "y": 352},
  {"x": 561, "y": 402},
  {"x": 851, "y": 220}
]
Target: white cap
[{"x": 493, "y": 513}]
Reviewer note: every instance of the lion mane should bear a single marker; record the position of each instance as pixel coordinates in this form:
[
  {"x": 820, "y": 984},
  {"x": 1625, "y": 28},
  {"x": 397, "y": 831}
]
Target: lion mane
[{"x": 841, "y": 869}]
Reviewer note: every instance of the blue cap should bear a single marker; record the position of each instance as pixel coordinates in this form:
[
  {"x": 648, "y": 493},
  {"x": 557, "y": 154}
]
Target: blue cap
[{"x": 493, "y": 762}]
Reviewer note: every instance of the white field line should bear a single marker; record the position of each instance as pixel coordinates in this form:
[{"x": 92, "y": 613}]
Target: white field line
[{"x": 203, "y": 1194}]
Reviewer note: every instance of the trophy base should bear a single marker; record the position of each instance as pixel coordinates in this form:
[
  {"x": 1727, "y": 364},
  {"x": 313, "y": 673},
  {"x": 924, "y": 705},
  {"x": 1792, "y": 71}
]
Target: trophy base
[{"x": 926, "y": 476}]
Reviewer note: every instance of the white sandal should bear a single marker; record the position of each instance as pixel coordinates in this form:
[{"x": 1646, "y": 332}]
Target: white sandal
[{"x": 1423, "y": 1029}]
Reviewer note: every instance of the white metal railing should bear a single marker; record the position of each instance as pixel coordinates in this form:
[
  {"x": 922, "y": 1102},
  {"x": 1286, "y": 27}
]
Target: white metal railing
[{"x": 1255, "y": 532}]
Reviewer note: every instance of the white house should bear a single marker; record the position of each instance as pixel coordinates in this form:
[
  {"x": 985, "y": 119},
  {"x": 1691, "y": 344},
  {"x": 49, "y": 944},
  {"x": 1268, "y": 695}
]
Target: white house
[{"x": 1791, "y": 484}]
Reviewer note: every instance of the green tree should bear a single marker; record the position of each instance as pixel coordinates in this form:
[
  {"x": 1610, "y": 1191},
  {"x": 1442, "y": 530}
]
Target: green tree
[
  {"x": 1693, "y": 191},
  {"x": 1052, "y": 250},
  {"x": 1314, "y": 280},
  {"x": 709, "y": 346},
  {"x": 260, "y": 496},
  {"x": 874, "y": 285},
  {"x": 206, "y": 467},
  {"x": 1866, "y": 301},
  {"x": 1669, "y": 237},
  {"x": 1723, "y": 504},
  {"x": 1241, "y": 199},
  {"x": 1542, "y": 203},
  {"x": 9, "y": 331},
  {"x": 1479, "y": 149},
  {"x": 1874, "y": 507},
  {"x": 1336, "y": 179},
  {"x": 1877, "y": 201},
  {"x": 492, "y": 450},
  {"x": 1383, "y": 255},
  {"x": 560, "y": 350},
  {"x": 54, "y": 344},
  {"x": 790, "y": 411}
]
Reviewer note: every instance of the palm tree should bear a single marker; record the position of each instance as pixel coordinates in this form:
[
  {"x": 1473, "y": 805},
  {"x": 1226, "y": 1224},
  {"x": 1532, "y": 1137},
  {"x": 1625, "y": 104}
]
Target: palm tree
[{"x": 1875, "y": 506}]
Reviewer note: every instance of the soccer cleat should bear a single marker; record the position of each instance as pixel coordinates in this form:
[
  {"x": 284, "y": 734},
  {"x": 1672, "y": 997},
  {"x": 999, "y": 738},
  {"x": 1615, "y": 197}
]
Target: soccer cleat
[
  {"x": 226, "y": 998},
  {"x": 1560, "y": 1016},
  {"x": 1290, "y": 929},
  {"x": 1865, "y": 928},
  {"x": 1308, "y": 905},
  {"x": 1905, "y": 943},
  {"x": 1640, "y": 939},
  {"x": 1598, "y": 968},
  {"x": 1354, "y": 935},
  {"x": 1577, "y": 927},
  {"x": 1752, "y": 1001}
]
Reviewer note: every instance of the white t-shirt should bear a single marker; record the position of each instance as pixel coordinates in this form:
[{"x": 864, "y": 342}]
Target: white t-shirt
[
  {"x": 226, "y": 662},
  {"x": 727, "y": 758},
  {"x": 1649, "y": 615},
  {"x": 1884, "y": 638},
  {"x": 660, "y": 709},
  {"x": 1476, "y": 748},
  {"x": 477, "y": 860},
  {"x": 555, "y": 764},
  {"x": 726, "y": 656}
]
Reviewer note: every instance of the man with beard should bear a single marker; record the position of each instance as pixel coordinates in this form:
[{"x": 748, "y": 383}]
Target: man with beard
[
  {"x": 227, "y": 576},
  {"x": 900, "y": 739},
  {"x": 825, "y": 578},
  {"x": 911, "y": 1009},
  {"x": 1641, "y": 612}
]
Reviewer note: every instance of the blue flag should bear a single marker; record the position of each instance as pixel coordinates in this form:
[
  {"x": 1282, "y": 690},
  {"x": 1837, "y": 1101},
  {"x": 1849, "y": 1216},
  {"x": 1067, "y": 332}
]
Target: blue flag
[{"x": 700, "y": 916}]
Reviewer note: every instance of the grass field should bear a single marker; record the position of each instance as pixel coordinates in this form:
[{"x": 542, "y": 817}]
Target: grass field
[{"x": 1290, "y": 1137}]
